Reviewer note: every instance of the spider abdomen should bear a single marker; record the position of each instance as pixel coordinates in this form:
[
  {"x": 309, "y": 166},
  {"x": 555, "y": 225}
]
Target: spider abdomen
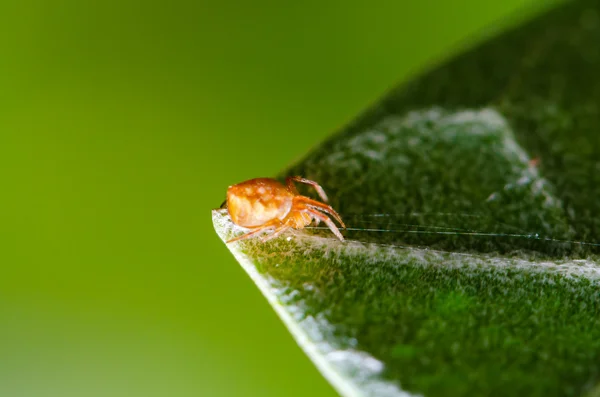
[{"x": 254, "y": 202}]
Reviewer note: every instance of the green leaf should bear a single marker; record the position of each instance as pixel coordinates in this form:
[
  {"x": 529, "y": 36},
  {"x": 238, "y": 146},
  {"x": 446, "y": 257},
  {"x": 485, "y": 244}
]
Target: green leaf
[{"x": 472, "y": 200}]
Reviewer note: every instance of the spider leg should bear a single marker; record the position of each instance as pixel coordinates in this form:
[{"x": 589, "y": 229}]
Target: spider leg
[
  {"x": 320, "y": 206},
  {"x": 320, "y": 216},
  {"x": 275, "y": 233},
  {"x": 273, "y": 223},
  {"x": 290, "y": 184},
  {"x": 307, "y": 218}
]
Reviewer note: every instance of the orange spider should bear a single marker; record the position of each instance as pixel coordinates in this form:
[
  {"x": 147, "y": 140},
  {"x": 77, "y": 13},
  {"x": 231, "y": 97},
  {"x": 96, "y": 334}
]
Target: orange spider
[{"x": 264, "y": 204}]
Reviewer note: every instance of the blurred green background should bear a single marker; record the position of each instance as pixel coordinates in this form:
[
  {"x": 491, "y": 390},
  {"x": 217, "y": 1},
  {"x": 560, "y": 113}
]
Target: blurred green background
[{"x": 121, "y": 125}]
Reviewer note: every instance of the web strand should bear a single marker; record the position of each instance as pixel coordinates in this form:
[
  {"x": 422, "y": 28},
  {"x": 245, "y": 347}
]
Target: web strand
[{"x": 419, "y": 229}]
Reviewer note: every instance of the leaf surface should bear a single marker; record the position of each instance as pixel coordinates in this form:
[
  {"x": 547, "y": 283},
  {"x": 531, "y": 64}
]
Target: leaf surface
[{"x": 471, "y": 261}]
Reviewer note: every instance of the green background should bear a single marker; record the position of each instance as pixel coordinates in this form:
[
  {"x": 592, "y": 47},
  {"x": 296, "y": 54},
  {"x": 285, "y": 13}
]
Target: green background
[{"x": 121, "y": 125}]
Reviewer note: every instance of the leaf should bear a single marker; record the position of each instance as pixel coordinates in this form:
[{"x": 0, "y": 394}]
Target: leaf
[{"x": 471, "y": 195}]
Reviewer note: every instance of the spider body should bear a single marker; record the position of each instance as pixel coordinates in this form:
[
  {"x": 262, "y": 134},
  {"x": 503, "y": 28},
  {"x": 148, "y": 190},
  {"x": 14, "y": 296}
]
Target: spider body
[{"x": 264, "y": 204}]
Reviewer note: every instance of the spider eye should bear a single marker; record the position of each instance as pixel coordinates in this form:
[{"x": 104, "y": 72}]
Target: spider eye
[{"x": 223, "y": 204}]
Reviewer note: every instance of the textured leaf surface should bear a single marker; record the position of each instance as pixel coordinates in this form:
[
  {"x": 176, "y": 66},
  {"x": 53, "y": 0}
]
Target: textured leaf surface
[{"x": 471, "y": 194}]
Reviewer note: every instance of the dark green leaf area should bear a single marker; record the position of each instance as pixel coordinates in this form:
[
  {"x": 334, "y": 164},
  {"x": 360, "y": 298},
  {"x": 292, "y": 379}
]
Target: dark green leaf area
[
  {"x": 542, "y": 79},
  {"x": 449, "y": 180},
  {"x": 448, "y": 324}
]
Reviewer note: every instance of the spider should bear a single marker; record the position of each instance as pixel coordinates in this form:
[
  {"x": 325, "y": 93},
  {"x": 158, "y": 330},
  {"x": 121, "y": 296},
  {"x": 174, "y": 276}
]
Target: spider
[{"x": 264, "y": 204}]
